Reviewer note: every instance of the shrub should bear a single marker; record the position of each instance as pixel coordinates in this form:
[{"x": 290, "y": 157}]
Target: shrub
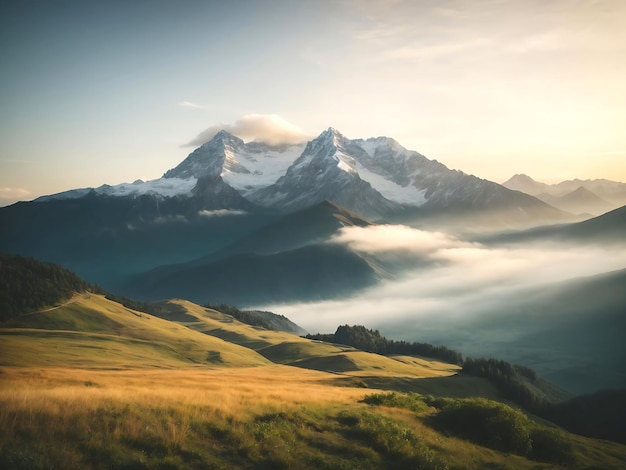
[
  {"x": 396, "y": 442},
  {"x": 487, "y": 423},
  {"x": 550, "y": 445},
  {"x": 409, "y": 401}
]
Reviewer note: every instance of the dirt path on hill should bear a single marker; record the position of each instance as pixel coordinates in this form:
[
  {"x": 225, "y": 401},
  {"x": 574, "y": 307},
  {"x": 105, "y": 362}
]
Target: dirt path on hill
[{"x": 74, "y": 299}]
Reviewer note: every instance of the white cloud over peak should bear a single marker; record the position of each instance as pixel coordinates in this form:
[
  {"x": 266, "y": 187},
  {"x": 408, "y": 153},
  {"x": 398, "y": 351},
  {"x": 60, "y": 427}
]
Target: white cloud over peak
[{"x": 268, "y": 128}]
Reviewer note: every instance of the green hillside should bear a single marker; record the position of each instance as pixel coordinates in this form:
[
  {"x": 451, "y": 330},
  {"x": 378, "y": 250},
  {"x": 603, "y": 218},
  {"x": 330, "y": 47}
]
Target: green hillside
[
  {"x": 88, "y": 383},
  {"x": 92, "y": 331},
  {"x": 288, "y": 349}
]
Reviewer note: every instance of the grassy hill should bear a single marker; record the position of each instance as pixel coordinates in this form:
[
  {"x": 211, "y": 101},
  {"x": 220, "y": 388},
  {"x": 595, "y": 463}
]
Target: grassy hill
[
  {"x": 91, "y": 384},
  {"x": 91, "y": 331},
  {"x": 288, "y": 349}
]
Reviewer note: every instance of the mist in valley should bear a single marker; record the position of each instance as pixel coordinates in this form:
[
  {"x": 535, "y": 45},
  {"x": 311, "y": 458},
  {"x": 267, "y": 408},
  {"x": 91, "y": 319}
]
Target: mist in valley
[{"x": 549, "y": 305}]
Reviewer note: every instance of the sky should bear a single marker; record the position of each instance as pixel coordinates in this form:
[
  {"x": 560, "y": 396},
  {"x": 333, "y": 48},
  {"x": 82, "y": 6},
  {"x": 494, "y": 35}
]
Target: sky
[{"x": 96, "y": 92}]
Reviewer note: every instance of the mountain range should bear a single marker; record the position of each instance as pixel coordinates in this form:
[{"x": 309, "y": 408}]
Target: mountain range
[
  {"x": 226, "y": 189},
  {"x": 253, "y": 225},
  {"x": 375, "y": 177},
  {"x": 593, "y": 197}
]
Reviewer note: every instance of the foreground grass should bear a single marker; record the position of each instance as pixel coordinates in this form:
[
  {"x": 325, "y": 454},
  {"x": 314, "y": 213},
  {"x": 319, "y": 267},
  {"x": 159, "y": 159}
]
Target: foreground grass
[{"x": 261, "y": 417}]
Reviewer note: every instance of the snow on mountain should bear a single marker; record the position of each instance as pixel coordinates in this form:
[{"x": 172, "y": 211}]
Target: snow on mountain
[
  {"x": 162, "y": 187},
  {"x": 243, "y": 166},
  {"x": 169, "y": 187},
  {"x": 328, "y": 169},
  {"x": 375, "y": 177},
  {"x": 71, "y": 194},
  {"x": 379, "y": 178}
]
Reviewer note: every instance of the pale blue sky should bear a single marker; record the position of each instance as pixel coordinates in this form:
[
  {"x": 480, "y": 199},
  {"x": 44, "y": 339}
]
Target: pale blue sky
[{"x": 95, "y": 92}]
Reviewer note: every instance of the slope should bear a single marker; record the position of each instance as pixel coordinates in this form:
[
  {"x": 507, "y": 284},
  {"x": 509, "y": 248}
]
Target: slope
[
  {"x": 570, "y": 333},
  {"x": 29, "y": 285},
  {"x": 578, "y": 201},
  {"x": 608, "y": 227},
  {"x": 93, "y": 332},
  {"x": 288, "y": 349},
  {"x": 307, "y": 273},
  {"x": 310, "y": 225}
]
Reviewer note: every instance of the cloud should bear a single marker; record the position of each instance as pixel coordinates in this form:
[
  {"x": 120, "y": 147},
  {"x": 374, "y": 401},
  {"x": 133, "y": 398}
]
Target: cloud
[
  {"x": 269, "y": 128},
  {"x": 220, "y": 213},
  {"x": 380, "y": 239},
  {"x": 189, "y": 104},
  {"x": 464, "y": 283}
]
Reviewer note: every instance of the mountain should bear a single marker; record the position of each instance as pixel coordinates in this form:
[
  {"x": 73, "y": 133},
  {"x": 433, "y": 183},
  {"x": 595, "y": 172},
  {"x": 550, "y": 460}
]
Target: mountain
[
  {"x": 289, "y": 259},
  {"x": 227, "y": 189},
  {"x": 311, "y": 225},
  {"x": 375, "y": 177},
  {"x": 578, "y": 201},
  {"x": 606, "y": 228},
  {"x": 243, "y": 166},
  {"x": 380, "y": 179},
  {"x": 313, "y": 272},
  {"x": 106, "y": 238},
  {"x": 569, "y": 332},
  {"x": 326, "y": 170},
  {"x": 613, "y": 192},
  {"x": 525, "y": 184}
]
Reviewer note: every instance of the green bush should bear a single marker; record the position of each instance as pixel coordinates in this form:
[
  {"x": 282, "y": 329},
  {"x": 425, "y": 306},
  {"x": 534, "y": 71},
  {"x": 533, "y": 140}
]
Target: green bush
[
  {"x": 409, "y": 401},
  {"x": 397, "y": 443},
  {"x": 488, "y": 423},
  {"x": 551, "y": 445}
]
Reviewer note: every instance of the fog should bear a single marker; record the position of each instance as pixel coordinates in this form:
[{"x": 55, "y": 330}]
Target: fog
[{"x": 453, "y": 282}]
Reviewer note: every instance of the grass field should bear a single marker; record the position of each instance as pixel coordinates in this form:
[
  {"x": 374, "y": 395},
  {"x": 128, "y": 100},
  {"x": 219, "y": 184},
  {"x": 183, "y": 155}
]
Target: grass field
[
  {"x": 93, "y": 384},
  {"x": 262, "y": 417}
]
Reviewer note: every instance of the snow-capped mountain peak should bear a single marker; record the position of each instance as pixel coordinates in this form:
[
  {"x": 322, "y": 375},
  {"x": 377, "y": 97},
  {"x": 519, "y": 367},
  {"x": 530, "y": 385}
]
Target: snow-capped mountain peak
[{"x": 375, "y": 177}]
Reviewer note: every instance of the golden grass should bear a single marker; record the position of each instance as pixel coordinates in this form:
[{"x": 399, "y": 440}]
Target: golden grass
[
  {"x": 271, "y": 416},
  {"x": 70, "y": 418},
  {"x": 228, "y": 392},
  {"x": 95, "y": 332},
  {"x": 93, "y": 384},
  {"x": 286, "y": 348}
]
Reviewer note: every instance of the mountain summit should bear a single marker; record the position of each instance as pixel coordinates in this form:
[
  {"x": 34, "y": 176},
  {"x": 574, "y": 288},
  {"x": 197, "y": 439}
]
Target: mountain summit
[{"x": 375, "y": 177}]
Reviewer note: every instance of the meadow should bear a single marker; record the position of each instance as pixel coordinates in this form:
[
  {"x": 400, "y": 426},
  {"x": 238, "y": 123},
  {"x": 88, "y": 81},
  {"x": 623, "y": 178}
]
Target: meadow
[
  {"x": 262, "y": 417},
  {"x": 95, "y": 385}
]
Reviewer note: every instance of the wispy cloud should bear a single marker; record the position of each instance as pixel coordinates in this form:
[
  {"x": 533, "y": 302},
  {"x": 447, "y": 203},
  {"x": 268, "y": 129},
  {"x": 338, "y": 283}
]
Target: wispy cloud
[
  {"x": 269, "y": 128},
  {"x": 220, "y": 213},
  {"x": 462, "y": 281},
  {"x": 189, "y": 104},
  {"x": 379, "y": 239}
]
